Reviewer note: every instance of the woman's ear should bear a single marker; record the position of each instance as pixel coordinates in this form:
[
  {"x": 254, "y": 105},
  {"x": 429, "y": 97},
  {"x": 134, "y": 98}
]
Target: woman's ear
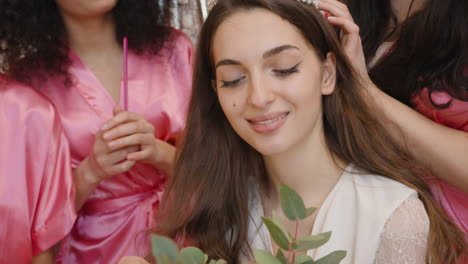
[{"x": 329, "y": 74}]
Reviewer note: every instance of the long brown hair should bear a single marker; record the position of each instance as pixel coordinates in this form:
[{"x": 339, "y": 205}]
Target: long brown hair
[
  {"x": 207, "y": 199},
  {"x": 430, "y": 51}
]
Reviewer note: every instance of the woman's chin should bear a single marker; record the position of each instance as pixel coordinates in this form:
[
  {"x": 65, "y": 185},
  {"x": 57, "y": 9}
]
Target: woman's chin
[{"x": 269, "y": 149}]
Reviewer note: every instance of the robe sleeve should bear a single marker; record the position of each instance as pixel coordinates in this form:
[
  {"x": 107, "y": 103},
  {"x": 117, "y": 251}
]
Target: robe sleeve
[
  {"x": 54, "y": 212},
  {"x": 36, "y": 188},
  {"x": 182, "y": 64}
]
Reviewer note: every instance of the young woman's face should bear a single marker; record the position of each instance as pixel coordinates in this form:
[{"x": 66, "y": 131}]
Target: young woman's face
[
  {"x": 85, "y": 8},
  {"x": 269, "y": 81}
]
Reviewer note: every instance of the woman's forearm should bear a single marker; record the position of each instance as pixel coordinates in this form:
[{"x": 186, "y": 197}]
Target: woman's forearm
[
  {"x": 441, "y": 149},
  {"x": 85, "y": 182}
]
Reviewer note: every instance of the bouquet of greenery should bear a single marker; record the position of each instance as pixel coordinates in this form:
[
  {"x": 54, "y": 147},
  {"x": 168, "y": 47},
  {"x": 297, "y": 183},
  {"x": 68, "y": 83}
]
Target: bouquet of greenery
[{"x": 165, "y": 251}]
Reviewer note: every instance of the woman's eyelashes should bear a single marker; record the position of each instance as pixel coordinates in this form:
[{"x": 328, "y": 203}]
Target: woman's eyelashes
[
  {"x": 287, "y": 72},
  {"x": 280, "y": 73},
  {"x": 232, "y": 83}
]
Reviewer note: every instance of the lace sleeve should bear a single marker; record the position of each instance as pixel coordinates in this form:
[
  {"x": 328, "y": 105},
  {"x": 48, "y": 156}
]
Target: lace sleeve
[{"x": 404, "y": 239}]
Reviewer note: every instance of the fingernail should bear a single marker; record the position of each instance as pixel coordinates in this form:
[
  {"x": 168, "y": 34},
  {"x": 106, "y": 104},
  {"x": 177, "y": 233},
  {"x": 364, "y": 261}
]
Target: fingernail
[
  {"x": 104, "y": 127},
  {"x": 331, "y": 17},
  {"x": 106, "y": 135}
]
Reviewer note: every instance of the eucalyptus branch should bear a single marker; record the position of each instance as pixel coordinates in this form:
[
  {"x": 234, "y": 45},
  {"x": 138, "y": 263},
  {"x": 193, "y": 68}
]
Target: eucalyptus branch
[{"x": 165, "y": 251}]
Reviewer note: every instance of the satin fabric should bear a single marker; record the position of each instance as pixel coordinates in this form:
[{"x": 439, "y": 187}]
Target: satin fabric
[
  {"x": 36, "y": 188},
  {"x": 453, "y": 200},
  {"x": 113, "y": 221}
]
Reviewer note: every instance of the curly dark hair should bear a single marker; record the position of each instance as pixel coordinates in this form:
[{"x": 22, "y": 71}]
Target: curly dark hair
[{"x": 33, "y": 35}]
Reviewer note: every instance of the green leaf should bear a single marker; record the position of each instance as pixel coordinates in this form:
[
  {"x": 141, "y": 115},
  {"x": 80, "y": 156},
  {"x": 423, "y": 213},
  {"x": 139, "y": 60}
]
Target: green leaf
[
  {"x": 280, "y": 225},
  {"x": 310, "y": 211},
  {"x": 263, "y": 257},
  {"x": 164, "y": 249},
  {"x": 281, "y": 257},
  {"x": 333, "y": 258},
  {"x": 192, "y": 255},
  {"x": 301, "y": 259},
  {"x": 311, "y": 242},
  {"x": 291, "y": 203},
  {"x": 275, "y": 232}
]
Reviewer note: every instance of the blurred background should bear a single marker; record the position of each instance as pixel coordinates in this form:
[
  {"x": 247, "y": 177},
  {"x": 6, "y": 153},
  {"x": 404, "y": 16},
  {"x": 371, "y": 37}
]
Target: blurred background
[{"x": 189, "y": 14}]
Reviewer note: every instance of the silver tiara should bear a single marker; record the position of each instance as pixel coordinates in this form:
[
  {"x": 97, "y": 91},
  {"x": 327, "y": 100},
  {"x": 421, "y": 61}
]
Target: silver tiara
[{"x": 309, "y": 2}]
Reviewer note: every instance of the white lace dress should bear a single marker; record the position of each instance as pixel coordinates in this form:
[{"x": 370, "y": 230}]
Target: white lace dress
[
  {"x": 404, "y": 239},
  {"x": 375, "y": 219}
]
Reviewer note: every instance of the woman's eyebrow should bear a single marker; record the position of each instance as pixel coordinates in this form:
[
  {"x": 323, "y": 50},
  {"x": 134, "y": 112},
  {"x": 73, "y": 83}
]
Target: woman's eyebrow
[
  {"x": 279, "y": 49},
  {"x": 227, "y": 62},
  {"x": 268, "y": 53}
]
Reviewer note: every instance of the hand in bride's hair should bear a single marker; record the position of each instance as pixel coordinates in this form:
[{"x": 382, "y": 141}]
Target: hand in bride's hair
[{"x": 350, "y": 38}]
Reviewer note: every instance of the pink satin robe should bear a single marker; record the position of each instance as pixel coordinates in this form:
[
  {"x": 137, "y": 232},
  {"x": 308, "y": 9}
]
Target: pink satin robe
[
  {"x": 37, "y": 207},
  {"x": 453, "y": 200},
  {"x": 113, "y": 221}
]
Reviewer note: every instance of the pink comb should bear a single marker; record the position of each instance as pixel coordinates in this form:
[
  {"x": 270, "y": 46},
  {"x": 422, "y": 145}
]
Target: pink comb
[{"x": 125, "y": 73}]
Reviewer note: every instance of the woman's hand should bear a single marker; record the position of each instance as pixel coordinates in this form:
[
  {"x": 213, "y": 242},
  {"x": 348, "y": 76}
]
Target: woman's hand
[
  {"x": 102, "y": 163},
  {"x": 444, "y": 148},
  {"x": 127, "y": 130},
  {"x": 132, "y": 260},
  {"x": 46, "y": 257},
  {"x": 122, "y": 141},
  {"x": 350, "y": 39}
]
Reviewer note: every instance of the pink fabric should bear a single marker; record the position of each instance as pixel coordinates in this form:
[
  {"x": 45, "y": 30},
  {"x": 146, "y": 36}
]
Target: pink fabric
[
  {"x": 113, "y": 221},
  {"x": 453, "y": 200},
  {"x": 36, "y": 188}
]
